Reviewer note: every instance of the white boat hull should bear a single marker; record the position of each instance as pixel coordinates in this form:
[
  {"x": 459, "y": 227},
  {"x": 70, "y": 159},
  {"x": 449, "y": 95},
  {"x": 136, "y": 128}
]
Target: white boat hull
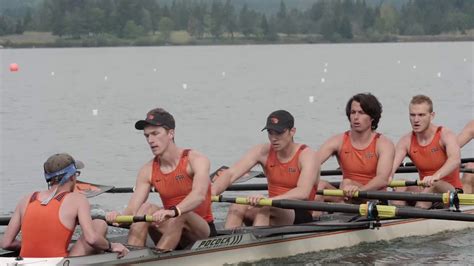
[{"x": 246, "y": 247}]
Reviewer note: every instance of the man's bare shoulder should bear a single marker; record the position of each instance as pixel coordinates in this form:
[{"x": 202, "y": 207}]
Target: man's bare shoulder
[
  {"x": 196, "y": 155},
  {"x": 385, "y": 140}
]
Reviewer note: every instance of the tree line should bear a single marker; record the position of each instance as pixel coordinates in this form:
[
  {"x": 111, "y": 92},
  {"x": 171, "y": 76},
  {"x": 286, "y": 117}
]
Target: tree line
[{"x": 332, "y": 20}]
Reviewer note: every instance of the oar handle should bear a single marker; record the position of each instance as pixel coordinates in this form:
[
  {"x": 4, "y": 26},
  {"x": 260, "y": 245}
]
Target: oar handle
[
  {"x": 240, "y": 200},
  {"x": 133, "y": 219}
]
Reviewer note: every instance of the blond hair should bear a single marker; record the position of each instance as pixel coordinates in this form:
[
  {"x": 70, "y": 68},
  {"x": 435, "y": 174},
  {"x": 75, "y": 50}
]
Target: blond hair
[{"x": 420, "y": 98}]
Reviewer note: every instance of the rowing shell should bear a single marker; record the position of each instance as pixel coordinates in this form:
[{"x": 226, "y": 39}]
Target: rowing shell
[{"x": 256, "y": 243}]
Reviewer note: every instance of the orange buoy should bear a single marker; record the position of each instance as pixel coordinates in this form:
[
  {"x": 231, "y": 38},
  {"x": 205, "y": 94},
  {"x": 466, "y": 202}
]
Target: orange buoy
[{"x": 13, "y": 67}]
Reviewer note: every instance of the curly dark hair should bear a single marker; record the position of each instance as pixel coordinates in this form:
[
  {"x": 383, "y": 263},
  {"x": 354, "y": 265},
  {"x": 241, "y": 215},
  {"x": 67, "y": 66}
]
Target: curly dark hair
[{"x": 370, "y": 104}]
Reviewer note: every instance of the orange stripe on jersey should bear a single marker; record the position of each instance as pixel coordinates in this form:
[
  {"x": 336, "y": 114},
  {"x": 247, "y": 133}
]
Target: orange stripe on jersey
[
  {"x": 283, "y": 177},
  {"x": 358, "y": 165},
  {"x": 173, "y": 187},
  {"x": 428, "y": 159},
  {"x": 43, "y": 234}
]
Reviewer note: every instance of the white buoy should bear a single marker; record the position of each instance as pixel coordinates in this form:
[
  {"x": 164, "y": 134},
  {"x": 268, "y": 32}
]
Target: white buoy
[
  {"x": 95, "y": 112},
  {"x": 311, "y": 99},
  {"x": 323, "y": 80},
  {"x": 154, "y": 69},
  {"x": 223, "y": 73},
  {"x": 398, "y": 62},
  {"x": 52, "y": 73},
  {"x": 439, "y": 74},
  {"x": 106, "y": 78},
  {"x": 325, "y": 70},
  {"x": 185, "y": 86},
  {"x": 325, "y": 64},
  {"x": 465, "y": 60},
  {"x": 414, "y": 66}
]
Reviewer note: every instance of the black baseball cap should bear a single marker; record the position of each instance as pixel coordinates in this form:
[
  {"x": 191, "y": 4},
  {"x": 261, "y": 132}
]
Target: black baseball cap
[
  {"x": 156, "y": 117},
  {"x": 279, "y": 121}
]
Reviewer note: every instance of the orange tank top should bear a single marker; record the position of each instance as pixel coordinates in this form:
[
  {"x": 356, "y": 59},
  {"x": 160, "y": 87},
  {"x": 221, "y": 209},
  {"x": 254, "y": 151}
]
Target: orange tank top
[
  {"x": 43, "y": 234},
  {"x": 428, "y": 159},
  {"x": 173, "y": 187},
  {"x": 283, "y": 177},
  {"x": 358, "y": 165}
]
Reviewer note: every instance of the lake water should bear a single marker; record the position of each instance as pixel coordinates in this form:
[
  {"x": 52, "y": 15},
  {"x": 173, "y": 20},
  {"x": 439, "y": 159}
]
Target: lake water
[{"x": 86, "y": 101}]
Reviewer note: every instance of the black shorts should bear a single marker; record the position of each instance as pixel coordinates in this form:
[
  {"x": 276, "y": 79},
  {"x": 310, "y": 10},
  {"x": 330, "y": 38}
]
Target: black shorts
[
  {"x": 302, "y": 216},
  {"x": 212, "y": 227}
]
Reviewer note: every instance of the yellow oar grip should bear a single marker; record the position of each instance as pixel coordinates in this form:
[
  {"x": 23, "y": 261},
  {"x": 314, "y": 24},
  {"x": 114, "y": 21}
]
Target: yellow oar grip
[
  {"x": 265, "y": 202},
  {"x": 215, "y": 198},
  {"x": 241, "y": 200},
  {"x": 397, "y": 183},
  {"x": 466, "y": 199},
  {"x": 384, "y": 211},
  {"x": 131, "y": 219},
  {"x": 337, "y": 193},
  {"x": 333, "y": 192}
]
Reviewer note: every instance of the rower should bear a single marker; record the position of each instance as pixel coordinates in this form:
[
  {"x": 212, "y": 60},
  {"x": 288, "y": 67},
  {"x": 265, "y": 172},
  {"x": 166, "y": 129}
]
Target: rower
[
  {"x": 181, "y": 177},
  {"x": 466, "y": 135},
  {"x": 433, "y": 149},
  {"x": 47, "y": 219},
  {"x": 291, "y": 170},
  {"x": 364, "y": 155}
]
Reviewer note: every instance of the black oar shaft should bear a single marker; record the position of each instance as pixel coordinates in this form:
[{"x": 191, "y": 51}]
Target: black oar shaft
[
  {"x": 410, "y": 196},
  {"x": 463, "y": 160},
  {"x": 432, "y": 214}
]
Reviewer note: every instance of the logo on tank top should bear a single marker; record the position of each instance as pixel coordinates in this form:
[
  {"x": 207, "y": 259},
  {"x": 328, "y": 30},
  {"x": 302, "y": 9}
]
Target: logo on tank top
[
  {"x": 369, "y": 155},
  {"x": 435, "y": 149},
  {"x": 179, "y": 177},
  {"x": 291, "y": 170}
]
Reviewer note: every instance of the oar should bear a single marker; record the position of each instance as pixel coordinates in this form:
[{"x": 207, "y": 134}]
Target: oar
[
  {"x": 463, "y": 160},
  {"x": 446, "y": 198},
  {"x": 370, "y": 210},
  {"x": 4, "y": 220},
  {"x": 92, "y": 190}
]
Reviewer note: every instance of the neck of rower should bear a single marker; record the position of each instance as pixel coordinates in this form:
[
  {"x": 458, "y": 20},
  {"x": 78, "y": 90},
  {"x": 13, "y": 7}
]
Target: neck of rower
[
  {"x": 169, "y": 160},
  {"x": 287, "y": 153},
  {"x": 427, "y": 135},
  {"x": 362, "y": 138}
]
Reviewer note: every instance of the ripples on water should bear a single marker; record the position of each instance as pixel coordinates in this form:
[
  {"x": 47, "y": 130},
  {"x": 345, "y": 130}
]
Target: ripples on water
[{"x": 445, "y": 248}]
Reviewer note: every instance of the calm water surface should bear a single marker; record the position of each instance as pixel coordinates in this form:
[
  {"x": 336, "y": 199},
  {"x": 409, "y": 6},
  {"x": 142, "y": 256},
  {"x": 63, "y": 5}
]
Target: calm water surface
[{"x": 220, "y": 97}]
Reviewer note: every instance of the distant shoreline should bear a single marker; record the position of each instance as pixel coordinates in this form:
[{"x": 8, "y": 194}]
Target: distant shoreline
[{"x": 47, "y": 40}]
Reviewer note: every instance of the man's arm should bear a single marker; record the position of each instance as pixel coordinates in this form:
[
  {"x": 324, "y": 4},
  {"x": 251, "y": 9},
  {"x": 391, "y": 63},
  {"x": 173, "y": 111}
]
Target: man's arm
[
  {"x": 142, "y": 189},
  {"x": 401, "y": 151},
  {"x": 9, "y": 241},
  {"x": 92, "y": 238},
  {"x": 449, "y": 141},
  {"x": 385, "y": 153},
  {"x": 309, "y": 176},
  {"x": 199, "y": 165},
  {"x": 329, "y": 148},
  {"x": 249, "y": 160},
  {"x": 467, "y": 134}
]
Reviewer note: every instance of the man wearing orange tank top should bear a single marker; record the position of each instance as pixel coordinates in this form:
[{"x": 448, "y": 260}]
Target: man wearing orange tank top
[
  {"x": 291, "y": 169},
  {"x": 364, "y": 155},
  {"x": 466, "y": 135},
  {"x": 47, "y": 219},
  {"x": 433, "y": 149},
  {"x": 181, "y": 177}
]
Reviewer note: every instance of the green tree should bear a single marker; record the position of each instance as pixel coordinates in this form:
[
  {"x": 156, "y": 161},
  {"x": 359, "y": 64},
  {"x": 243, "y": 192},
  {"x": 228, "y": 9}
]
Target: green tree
[
  {"x": 132, "y": 30},
  {"x": 166, "y": 26}
]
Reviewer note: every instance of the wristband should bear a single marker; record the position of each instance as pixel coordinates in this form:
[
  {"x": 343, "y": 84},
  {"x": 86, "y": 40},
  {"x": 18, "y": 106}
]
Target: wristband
[
  {"x": 109, "y": 249},
  {"x": 177, "y": 211}
]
